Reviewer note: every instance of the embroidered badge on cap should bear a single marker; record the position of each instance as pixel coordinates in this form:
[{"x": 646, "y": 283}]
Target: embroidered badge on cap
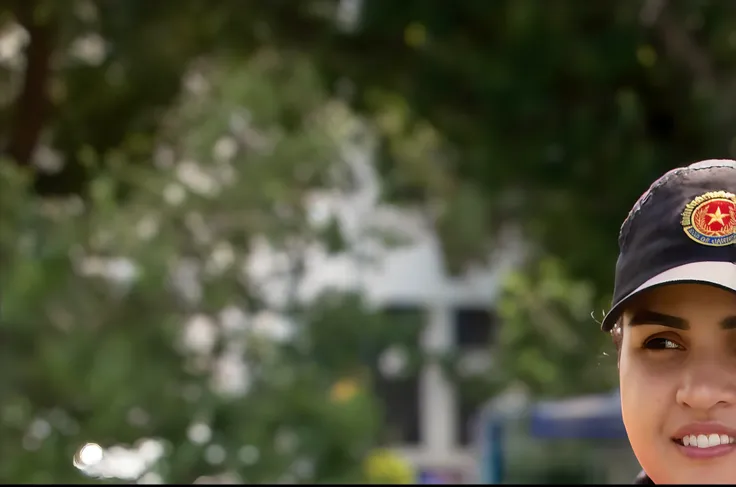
[{"x": 710, "y": 219}]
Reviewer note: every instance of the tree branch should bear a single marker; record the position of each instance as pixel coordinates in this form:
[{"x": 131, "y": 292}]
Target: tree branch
[{"x": 33, "y": 103}]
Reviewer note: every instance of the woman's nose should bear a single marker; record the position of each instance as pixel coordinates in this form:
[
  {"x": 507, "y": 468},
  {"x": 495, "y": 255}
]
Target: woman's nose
[{"x": 706, "y": 384}]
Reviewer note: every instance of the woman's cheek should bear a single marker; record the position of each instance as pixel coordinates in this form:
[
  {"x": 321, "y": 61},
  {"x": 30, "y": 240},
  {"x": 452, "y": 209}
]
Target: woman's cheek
[{"x": 644, "y": 376}]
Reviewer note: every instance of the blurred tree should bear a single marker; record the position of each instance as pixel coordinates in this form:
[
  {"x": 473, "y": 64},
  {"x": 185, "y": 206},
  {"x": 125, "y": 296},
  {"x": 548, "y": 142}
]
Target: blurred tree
[
  {"x": 545, "y": 312},
  {"x": 152, "y": 322},
  {"x": 552, "y": 121},
  {"x": 493, "y": 115},
  {"x": 548, "y": 344},
  {"x": 556, "y": 121}
]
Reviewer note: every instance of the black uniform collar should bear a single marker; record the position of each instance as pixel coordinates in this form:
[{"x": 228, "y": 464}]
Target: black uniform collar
[{"x": 643, "y": 479}]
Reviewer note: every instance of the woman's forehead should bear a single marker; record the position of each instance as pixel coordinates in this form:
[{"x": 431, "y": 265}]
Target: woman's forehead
[{"x": 686, "y": 300}]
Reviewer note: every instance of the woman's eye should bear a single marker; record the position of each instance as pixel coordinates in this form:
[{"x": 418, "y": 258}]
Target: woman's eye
[{"x": 661, "y": 344}]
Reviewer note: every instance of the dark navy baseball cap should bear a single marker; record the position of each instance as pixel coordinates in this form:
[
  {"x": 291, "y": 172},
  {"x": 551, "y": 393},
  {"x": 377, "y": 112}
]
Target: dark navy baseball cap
[{"x": 681, "y": 230}]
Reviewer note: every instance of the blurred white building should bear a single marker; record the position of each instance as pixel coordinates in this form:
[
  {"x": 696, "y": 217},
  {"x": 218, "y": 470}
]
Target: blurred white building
[
  {"x": 424, "y": 412},
  {"x": 458, "y": 312}
]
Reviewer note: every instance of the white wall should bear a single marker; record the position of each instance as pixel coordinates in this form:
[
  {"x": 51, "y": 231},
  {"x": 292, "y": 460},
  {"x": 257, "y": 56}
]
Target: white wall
[{"x": 412, "y": 274}]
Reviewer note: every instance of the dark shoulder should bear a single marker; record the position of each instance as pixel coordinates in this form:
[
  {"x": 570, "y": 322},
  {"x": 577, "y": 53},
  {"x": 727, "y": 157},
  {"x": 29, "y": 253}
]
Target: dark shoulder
[{"x": 643, "y": 479}]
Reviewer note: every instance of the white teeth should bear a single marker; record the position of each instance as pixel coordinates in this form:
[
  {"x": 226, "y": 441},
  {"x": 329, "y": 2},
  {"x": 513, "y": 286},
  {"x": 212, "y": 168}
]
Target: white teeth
[
  {"x": 707, "y": 441},
  {"x": 702, "y": 441}
]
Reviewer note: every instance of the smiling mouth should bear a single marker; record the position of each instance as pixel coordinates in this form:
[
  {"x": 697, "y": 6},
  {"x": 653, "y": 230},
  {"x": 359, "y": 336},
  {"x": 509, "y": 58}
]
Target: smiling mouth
[{"x": 705, "y": 441}]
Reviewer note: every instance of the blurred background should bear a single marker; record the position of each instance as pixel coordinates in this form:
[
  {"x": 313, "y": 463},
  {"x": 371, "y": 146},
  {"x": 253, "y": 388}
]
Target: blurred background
[{"x": 332, "y": 241}]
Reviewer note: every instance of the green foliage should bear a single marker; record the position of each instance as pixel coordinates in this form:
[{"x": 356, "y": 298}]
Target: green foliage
[
  {"x": 559, "y": 121},
  {"x": 189, "y": 133},
  {"x": 131, "y": 320},
  {"x": 550, "y": 342}
]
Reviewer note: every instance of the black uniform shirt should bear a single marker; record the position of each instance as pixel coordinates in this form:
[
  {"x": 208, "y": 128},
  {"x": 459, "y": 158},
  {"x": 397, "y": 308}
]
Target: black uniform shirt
[{"x": 643, "y": 479}]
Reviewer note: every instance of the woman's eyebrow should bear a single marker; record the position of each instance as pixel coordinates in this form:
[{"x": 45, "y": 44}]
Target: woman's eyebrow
[
  {"x": 647, "y": 317},
  {"x": 729, "y": 323}
]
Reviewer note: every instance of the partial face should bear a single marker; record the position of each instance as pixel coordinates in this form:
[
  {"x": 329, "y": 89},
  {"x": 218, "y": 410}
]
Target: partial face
[{"x": 678, "y": 383}]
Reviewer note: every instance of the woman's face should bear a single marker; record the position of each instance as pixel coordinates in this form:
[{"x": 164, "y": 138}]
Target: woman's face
[{"x": 678, "y": 383}]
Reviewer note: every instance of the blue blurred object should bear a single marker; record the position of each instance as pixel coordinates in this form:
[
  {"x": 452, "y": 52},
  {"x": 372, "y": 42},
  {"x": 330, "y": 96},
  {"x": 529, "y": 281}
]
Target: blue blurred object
[
  {"x": 492, "y": 459},
  {"x": 586, "y": 417},
  {"x": 438, "y": 477}
]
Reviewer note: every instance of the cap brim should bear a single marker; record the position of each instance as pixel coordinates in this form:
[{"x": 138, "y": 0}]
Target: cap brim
[{"x": 718, "y": 274}]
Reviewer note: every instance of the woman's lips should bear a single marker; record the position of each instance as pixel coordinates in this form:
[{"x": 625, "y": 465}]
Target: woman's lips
[
  {"x": 707, "y": 453},
  {"x": 705, "y": 440}
]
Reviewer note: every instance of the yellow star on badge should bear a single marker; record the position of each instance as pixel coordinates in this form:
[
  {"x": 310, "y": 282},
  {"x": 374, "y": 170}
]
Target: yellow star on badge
[{"x": 717, "y": 217}]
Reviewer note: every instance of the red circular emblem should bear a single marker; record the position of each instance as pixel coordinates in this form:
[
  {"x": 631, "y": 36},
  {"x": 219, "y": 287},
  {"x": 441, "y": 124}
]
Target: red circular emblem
[
  {"x": 715, "y": 218},
  {"x": 710, "y": 219}
]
